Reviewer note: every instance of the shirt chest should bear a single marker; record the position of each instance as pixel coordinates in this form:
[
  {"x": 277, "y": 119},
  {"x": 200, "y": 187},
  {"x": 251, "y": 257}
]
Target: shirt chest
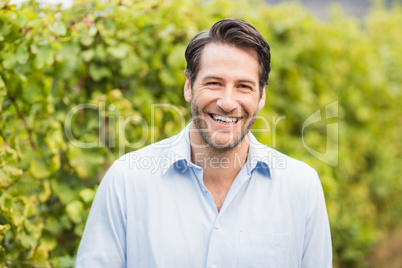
[{"x": 178, "y": 216}]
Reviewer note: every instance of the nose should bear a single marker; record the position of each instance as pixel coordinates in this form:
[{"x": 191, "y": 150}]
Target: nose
[{"x": 227, "y": 101}]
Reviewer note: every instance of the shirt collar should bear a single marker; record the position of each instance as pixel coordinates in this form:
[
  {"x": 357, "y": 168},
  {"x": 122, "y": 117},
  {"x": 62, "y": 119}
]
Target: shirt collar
[
  {"x": 179, "y": 153},
  {"x": 180, "y": 150},
  {"x": 259, "y": 156}
]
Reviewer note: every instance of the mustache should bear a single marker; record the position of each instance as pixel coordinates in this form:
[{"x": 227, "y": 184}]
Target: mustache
[{"x": 240, "y": 113}]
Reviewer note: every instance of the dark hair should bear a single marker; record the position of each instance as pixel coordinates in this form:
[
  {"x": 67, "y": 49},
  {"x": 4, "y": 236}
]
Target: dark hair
[{"x": 235, "y": 32}]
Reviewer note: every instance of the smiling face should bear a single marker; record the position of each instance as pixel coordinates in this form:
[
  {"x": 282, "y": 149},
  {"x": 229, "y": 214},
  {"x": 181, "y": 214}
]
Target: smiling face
[{"x": 225, "y": 96}]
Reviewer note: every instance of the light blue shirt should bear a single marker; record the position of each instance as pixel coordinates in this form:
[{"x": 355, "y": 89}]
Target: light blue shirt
[{"x": 153, "y": 210}]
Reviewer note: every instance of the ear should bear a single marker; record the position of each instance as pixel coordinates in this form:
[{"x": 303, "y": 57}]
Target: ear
[
  {"x": 187, "y": 90},
  {"x": 262, "y": 99}
]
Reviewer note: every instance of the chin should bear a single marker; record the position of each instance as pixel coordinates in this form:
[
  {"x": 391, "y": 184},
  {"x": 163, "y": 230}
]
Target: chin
[{"x": 221, "y": 144}]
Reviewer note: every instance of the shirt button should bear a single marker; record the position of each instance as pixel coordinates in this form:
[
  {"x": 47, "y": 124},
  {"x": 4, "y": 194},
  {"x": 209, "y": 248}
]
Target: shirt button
[
  {"x": 204, "y": 189},
  {"x": 217, "y": 226},
  {"x": 213, "y": 266}
]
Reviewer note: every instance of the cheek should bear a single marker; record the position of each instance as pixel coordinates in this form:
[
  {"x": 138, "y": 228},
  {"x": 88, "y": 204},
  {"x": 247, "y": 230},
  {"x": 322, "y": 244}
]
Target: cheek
[
  {"x": 204, "y": 98},
  {"x": 251, "y": 104}
]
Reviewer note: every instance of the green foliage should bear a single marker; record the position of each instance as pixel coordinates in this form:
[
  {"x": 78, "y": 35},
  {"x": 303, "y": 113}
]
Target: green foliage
[{"x": 118, "y": 58}]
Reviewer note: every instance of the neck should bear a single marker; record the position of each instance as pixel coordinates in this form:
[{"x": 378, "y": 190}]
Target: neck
[{"x": 217, "y": 162}]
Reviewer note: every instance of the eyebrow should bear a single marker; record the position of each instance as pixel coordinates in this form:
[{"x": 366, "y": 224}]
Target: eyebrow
[
  {"x": 211, "y": 77},
  {"x": 247, "y": 81}
]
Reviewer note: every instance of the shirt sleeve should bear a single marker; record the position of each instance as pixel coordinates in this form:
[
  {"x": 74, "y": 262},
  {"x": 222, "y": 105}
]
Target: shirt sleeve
[
  {"x": 317, "y": 251},
  {"x": 103, "y": 243}
]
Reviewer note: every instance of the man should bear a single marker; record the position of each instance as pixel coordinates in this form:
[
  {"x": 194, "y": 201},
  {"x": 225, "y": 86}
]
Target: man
[{"x": 216, "y": 198}]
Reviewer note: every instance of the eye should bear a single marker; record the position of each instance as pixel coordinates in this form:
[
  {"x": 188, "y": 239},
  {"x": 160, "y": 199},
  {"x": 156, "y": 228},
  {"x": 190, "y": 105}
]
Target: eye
[
  {"x": 213, "y": 84},
  {"x": 243, "y": 86}
]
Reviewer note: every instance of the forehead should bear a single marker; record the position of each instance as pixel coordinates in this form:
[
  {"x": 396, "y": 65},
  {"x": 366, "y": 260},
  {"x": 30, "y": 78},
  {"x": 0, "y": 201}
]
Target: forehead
[{"x": 230, "y": 61}]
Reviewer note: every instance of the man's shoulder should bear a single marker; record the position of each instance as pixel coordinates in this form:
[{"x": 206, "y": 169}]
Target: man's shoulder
[
  {"x": 152, "y": 157},
  {"x": 293, "y": 163},
  {"x": 296, "y": 176},
  {"x": 283, "y": 165}
]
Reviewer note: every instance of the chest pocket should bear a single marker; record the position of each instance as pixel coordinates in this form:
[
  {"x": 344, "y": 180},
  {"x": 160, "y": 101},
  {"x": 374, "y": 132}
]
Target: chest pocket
[{"x": 257, "y": 250}]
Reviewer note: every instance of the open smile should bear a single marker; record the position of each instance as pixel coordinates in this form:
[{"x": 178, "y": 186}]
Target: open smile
[{"x": 224, "y": 119}]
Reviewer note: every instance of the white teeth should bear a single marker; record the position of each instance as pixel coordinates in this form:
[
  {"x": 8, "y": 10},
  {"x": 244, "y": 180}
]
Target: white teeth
[{"x": 225, "y": 119}]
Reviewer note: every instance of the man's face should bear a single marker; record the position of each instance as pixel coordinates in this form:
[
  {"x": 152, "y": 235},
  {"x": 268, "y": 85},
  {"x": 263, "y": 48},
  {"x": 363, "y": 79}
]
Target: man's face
[{"x": 225, "y": 96}]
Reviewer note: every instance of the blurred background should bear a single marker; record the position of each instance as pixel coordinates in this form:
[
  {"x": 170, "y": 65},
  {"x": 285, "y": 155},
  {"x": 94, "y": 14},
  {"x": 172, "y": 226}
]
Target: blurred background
[
  {"x": 320, "y": 8},
  {"x": 78, "y": 80}
]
